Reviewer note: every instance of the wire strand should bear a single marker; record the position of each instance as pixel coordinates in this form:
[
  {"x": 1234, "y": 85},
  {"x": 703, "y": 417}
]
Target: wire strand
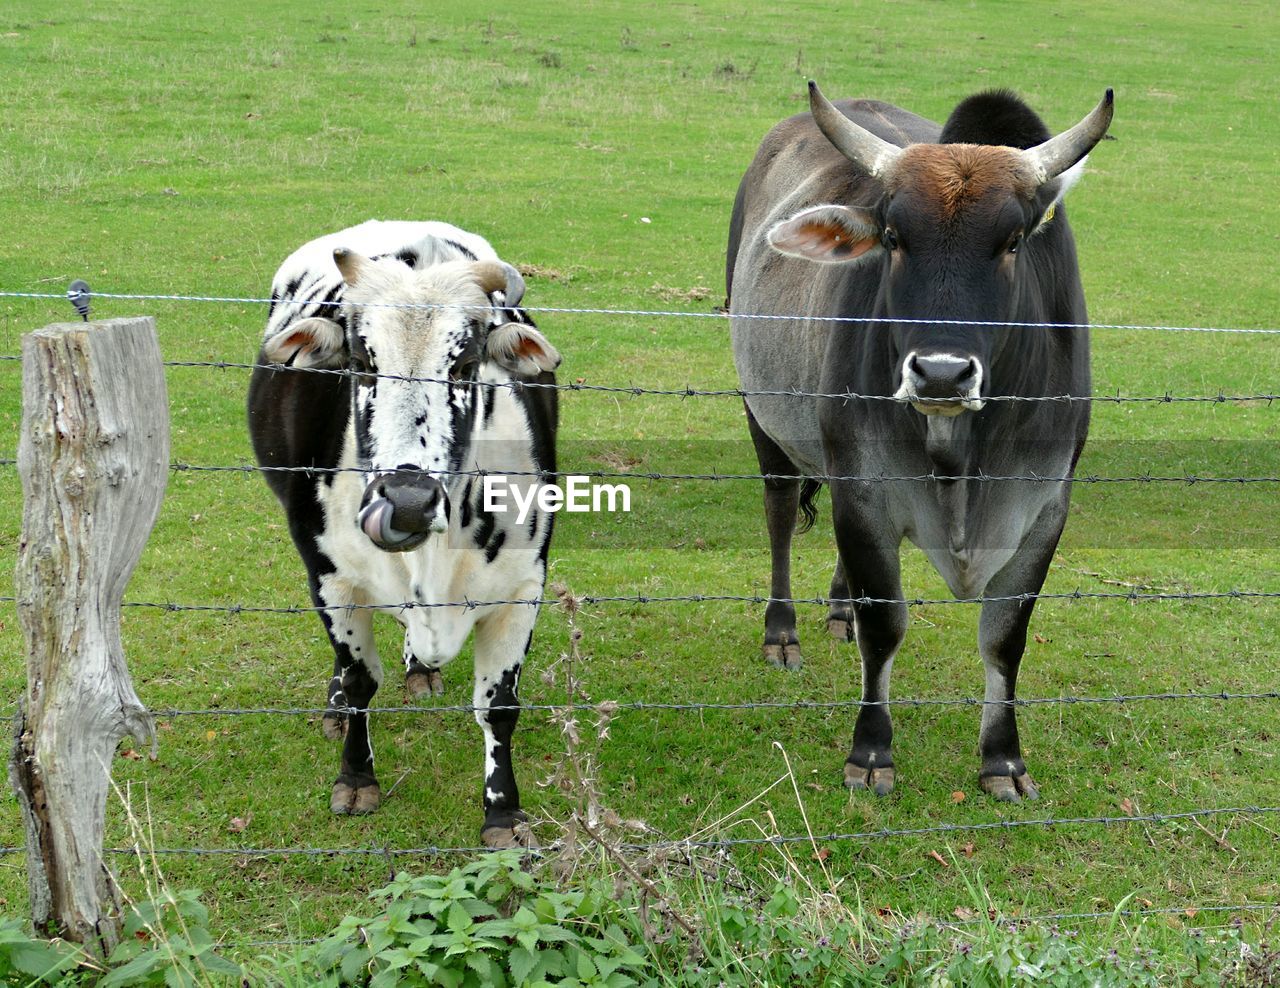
[{"x": 647, "y": 313}]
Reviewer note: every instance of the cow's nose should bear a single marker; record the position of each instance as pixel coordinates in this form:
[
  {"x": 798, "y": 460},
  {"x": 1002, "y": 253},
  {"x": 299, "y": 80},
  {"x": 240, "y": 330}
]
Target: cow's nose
[
  {"x": 401, "y": 509},
  {"x": 942, "y": 376}
]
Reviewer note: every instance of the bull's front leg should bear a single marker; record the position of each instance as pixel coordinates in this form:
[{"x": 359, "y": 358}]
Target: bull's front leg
[
  {"x": 1002, "y": 639},
  {"x": 869, "y": 564},
  {"x": 503, "y": 637},
  {"x": 357, "y": 675}
]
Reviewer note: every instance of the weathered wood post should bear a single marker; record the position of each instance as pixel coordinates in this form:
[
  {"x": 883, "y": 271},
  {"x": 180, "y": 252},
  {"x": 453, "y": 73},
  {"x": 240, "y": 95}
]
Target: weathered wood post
[{"x": 93, "y": 457}]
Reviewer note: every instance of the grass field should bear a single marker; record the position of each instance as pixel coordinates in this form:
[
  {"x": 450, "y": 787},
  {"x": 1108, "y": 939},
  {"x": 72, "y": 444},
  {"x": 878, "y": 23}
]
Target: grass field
[{"x": 171, "y": 148}]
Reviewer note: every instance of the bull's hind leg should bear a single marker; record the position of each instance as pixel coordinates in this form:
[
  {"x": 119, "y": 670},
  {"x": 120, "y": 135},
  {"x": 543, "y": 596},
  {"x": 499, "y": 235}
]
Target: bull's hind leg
[
  {"x": 503, "y": 637},
  {"x": 420, "y": 679},
  {"x": 1002, "y": 638},
  {"x": 781, "y": 501},
  {"x": 357, "y": 674},
  {"x": 869, "y": 560}
]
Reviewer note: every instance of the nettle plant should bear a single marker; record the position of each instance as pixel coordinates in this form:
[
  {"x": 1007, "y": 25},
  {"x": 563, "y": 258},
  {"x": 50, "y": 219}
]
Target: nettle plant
[{"x": 488, "y": 923}]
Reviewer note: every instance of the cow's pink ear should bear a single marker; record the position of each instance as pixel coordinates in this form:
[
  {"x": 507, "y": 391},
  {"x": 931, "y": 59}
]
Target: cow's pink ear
[
  {"x": 521, "y": 349},
  {"x": 312, "y": 342},
  {"x": 827, "y": 234}
]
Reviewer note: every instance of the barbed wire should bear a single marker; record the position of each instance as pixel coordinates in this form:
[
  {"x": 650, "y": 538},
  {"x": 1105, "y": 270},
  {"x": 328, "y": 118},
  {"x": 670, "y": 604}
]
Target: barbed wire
[
  {"x": 1188, "y": 480},
  {"x": 691, "y": 392},
  {"x": 712, "y": 843},
  {"x": 1187, "y": 910},
  {"x": 1133, "y": 596},
  {"x": 635, "y": 391},
  {"x": 611, "y": 707},
  {"x": 646, "y": 313}
]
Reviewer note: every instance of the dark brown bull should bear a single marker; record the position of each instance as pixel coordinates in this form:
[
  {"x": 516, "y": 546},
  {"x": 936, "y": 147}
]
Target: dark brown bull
[{"x": 862, "y": 209}]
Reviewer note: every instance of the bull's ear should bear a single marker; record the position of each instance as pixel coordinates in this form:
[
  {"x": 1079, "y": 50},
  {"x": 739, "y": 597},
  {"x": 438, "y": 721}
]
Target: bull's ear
[
  {"x": 521, "y": 349},
  {"x": 1049, "y": 196},
  {"x": 311, "y": 342},
  {"x": 828, "y": 234}
]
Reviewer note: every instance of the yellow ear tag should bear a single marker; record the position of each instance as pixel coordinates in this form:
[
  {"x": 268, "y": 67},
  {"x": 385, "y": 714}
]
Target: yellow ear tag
[{"x": 1048, "y": 214}]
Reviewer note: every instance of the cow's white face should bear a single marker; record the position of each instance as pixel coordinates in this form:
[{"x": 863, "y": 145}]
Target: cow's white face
[{"x": 415, "y": 341}]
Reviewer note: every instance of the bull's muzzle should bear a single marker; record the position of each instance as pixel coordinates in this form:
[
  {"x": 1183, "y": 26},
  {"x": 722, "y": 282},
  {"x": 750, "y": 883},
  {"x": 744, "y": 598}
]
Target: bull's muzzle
[
  {"x": 399, "y": 510},
  {"x": 941, "y": 383}
]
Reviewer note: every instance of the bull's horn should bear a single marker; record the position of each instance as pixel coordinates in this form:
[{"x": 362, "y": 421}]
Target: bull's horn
[
  {"x": 350, "y": 264},
  {"x": 1056, "y": 155},
  {"x": 494, "y": 276},
  {"x": 873, "y": 155}
]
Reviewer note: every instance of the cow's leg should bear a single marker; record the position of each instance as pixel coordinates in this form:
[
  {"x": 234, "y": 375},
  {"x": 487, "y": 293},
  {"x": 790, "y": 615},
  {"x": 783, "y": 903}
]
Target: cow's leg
[
  {"x": 869, "y": 559},
  {"x": 357, "y": 675},
  {"x": 420, "y": 679},
  {"x": 840, "y": 617},
  {"x": 1002, "y": 638},
  {"x": 781, "y": 501},
  {"x": 503, "y": 637}
]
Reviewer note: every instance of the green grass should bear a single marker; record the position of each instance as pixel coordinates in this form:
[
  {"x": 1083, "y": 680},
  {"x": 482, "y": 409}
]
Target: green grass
[{"x": 188, "y": 149}]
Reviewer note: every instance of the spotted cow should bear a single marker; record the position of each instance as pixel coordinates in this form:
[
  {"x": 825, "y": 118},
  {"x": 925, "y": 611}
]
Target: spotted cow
[{"x": 434, "y": 360}]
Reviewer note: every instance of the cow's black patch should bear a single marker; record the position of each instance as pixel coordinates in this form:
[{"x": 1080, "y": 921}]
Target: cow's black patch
[
  {"x": 484, "y": 528},
  {"x": 468, "y": 254}
]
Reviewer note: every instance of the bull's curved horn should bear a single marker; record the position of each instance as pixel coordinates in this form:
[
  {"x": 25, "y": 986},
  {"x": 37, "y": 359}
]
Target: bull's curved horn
[
  {"x": 1056, "y": 155},
  {"x": 874, "y": 156},
  {"x": 494, "y": 276},
  {"x": 350, "y": 264}
]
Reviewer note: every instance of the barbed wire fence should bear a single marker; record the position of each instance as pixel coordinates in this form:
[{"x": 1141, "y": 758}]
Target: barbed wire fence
[{"x": 1135, "y": 595}]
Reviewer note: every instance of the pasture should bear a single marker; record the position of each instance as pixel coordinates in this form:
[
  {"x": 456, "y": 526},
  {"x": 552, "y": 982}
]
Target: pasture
[{"x": 179, "y": 149}]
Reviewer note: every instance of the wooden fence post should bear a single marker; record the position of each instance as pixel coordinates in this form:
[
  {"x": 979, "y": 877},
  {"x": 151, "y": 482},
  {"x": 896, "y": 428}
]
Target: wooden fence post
[{"x": 94, "y": 458}]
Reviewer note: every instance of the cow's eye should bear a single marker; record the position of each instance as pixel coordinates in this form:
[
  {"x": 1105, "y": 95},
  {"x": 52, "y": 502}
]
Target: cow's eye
[
  {"x": 889, "y": 238},
  {"x": 464, "y": 370},
  {"x": 1015, "y": 243},
  {"x": 360, "y": 364}
]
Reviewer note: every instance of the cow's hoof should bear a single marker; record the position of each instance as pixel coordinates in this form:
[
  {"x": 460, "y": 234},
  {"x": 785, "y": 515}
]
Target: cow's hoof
[
  {"x": 355, "y": 800},
  {"x": 514, "y": 831},
  {"x": 878, "y": 780},
  {"x": 334, "y": 725},
  {"x": 840, "y": 629},
  {"x": 784, "y": 656},
  {"x": 501, "y": 838},
  {"x": 1010, "y": 788},
  {"x": 424, "y": 682}
]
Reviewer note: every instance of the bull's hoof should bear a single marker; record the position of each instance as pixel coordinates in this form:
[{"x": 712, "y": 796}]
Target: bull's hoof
[
  {"x": 424, "y": 682},
  {"x": 784, "y": 656},
  {"x": 1009, "y": 788},
  {"x": 840, "y": 629},
  {"x": 512, "y": 832},
  {"x": 878, "y": 780},
  {"x": 353, "y": 798},
  {"x": 334, "y": 725}
]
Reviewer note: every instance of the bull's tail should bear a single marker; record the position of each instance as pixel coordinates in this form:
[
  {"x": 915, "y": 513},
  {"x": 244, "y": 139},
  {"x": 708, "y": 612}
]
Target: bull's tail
[{"x": 808, "y": 509}]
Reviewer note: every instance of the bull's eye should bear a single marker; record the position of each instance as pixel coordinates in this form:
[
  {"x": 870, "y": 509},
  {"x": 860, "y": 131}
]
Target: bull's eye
[
  {"x": 464, "y": 370},
  {"x": 360, "y": 364},
  {"x": 889, "y": 238},
  {"x": 1015, "y": 243}
]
